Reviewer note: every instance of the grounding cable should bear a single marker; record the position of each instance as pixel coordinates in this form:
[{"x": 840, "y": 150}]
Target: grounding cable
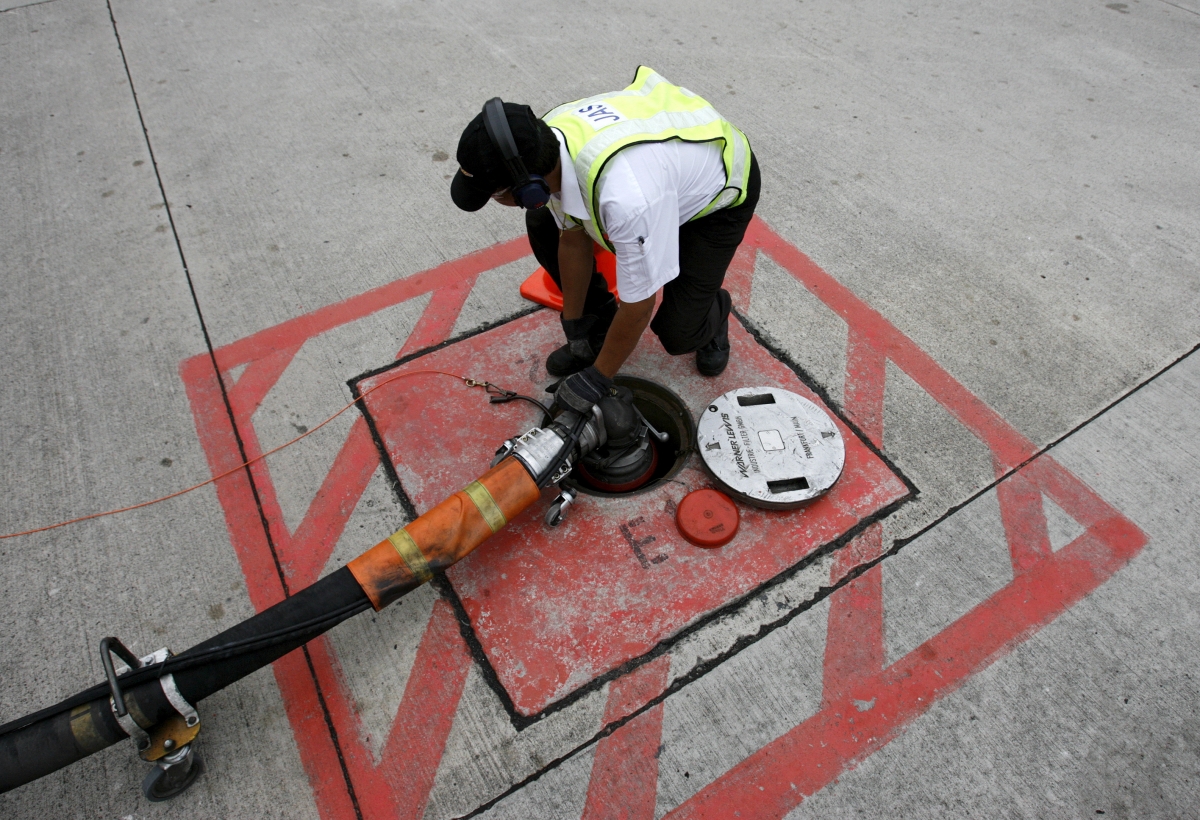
[{"x": 497, "y": 394}]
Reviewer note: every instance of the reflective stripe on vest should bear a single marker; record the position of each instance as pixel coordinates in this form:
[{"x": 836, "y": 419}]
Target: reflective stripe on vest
[{"x": 649, "y": 110}]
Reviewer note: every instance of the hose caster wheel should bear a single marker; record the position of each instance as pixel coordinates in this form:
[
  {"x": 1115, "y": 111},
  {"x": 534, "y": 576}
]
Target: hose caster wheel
[
  {"x": 558, "y": 508},
  {"x": 172, "y": 775}
]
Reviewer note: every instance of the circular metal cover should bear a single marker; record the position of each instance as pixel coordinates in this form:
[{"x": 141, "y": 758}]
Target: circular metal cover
[{"x": 770, "y": 447}]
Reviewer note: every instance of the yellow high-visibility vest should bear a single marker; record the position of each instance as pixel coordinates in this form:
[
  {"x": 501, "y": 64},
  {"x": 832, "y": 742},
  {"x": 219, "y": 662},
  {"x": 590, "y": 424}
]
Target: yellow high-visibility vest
[{"x": 649, "y": 110}]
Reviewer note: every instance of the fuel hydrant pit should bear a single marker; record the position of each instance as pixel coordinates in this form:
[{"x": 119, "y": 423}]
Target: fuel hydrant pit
[
  {"x": 555, "y": 610},
  {"x": 665, "y": 412}
]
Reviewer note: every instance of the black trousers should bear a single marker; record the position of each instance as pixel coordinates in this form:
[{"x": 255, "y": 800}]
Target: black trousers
[{"x": 693, "y": 307}]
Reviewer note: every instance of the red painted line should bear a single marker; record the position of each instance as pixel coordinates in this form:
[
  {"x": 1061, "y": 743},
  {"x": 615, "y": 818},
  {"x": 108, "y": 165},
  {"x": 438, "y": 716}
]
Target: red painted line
[
  {"x": 864, "y": 549},
  {"x": 318, "y": 755},
  {"x": 248, "y": 392},
  {"x": 1024, "y": 521},
  {"x": 309, "y": 548},
  {"x": 1069, "y": 493},
  {"x": 854, "y": 634},
  {"x": 1009, "y": 446},
  {"x": 294, "y": 332},
  {"x": 233, "y": 492},
  {"x": 624, "y": 781},
  {"x": 304, "y": 553},
  {"x": 439, "y": 316},
  {"x": 866, "y": 370},
  {"x": 633, "y": 691},
  {"x": 399, "y": 786},
  {"x": 267, "y": 499},
  {"x": 774, "y": 780},
  {"x": 423, "y": 722},
  {"x": 854, "y": 648}
]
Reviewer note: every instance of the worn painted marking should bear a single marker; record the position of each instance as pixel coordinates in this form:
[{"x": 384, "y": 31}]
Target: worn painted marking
[
  {"x": 434, "y": 688},
  {"x": 624, "y": 779},
  {"x": 772, "y": 781},
  {"x": 556, "y": 609}
]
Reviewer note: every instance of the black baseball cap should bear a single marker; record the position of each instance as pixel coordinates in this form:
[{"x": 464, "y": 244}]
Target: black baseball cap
[{"x": 482, "y": 171}]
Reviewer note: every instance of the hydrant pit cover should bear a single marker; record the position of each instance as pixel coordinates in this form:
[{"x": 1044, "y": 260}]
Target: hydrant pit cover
[{"x": 770, "y": 447}]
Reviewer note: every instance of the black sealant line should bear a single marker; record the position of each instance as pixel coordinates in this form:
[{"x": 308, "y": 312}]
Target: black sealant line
[
  {"x": 475, "y": 647},
  {"x": 1181, "y": 8},
  {"x": 196, "y": 303},
  {"x": 901, "y": 542},
  {"x": 27, "y": 6},
  {"x": 708, "y": 665},
  {"x": 692, "y": 675},
  {"x": 815, "y": 386},
  {"x": 385, "y": 457},
  {"x": 408, "y": 357},
  {"x": 228, "y": 407}
]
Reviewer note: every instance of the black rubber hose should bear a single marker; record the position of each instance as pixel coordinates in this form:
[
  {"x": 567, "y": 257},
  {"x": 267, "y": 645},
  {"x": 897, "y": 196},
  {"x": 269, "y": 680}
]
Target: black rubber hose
[{"x": 48, "y": 740}]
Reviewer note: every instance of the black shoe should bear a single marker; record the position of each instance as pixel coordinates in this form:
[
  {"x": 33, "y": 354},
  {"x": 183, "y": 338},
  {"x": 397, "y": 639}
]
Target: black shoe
[
  {"x": 714, "y": 356},
  {"x": 585, "y": 337}
]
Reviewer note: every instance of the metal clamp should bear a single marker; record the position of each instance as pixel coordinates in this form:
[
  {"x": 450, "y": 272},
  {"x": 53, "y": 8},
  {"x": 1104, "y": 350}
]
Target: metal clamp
[
  {"x": 151, "y": 742},
  {"x": 185, "y": 709},
  {"x": 108, "y": 647},
  {"x": 141, "y": 740}
]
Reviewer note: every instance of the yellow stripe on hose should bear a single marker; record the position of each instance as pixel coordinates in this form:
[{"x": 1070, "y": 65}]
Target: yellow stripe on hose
[
  {"x": 83, "y": 729},
  {"x": 408, "y": 550},
  {"x": 486, "y": 505}
]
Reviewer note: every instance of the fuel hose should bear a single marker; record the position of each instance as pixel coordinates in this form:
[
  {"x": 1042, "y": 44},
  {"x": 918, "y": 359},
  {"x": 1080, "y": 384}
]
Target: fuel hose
[{"x": 52, "y": 738}]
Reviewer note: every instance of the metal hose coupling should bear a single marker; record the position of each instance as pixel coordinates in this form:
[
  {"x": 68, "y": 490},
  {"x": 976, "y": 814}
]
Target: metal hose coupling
[{"x": 549, "y": 452}]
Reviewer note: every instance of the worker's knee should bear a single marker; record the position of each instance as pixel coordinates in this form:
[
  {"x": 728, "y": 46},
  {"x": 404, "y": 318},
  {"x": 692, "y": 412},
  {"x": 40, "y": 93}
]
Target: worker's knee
[
  {"x": 683, "y": 327},
  {"x": 678, "y": 339}
]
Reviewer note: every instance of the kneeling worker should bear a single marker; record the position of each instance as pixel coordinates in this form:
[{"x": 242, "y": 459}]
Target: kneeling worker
[{"x": 651, "y": 173}]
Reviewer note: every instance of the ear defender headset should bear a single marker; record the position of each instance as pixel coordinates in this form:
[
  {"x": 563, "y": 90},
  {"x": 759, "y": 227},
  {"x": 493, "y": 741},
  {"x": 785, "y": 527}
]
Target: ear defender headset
[{"x": 529, "y": 190}]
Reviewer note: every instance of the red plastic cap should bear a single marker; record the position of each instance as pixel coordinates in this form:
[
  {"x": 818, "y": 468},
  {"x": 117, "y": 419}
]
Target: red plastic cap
[{"x": 707, "y": 518}]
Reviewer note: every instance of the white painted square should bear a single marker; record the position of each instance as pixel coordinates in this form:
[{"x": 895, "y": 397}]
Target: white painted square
[{"x": 770, "y": 439}]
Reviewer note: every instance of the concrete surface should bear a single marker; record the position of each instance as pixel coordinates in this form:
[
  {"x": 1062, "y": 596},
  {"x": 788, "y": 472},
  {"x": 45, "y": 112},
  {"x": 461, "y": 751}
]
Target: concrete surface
[
  {"x": 1098, "y": 713},
  {"x": 1013, "y": 187}
]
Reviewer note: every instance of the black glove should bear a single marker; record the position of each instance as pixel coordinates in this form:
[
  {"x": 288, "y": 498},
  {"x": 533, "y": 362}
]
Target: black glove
[{"x": 581, "y": 390}]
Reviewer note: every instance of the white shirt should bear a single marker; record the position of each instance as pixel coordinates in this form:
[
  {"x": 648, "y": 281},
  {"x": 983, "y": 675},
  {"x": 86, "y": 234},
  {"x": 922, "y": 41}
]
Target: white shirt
[{"x": 646, "y": 192}]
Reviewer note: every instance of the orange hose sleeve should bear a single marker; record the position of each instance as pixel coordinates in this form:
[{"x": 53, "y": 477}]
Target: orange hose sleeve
[{"x": 444, "y": 535}]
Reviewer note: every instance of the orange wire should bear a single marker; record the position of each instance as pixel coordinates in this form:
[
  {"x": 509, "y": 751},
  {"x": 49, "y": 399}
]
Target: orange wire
[{"x": 468, "y": 382}]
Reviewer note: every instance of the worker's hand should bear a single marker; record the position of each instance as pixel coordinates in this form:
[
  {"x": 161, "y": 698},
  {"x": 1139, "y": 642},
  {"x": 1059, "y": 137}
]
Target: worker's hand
[{"x": 581, "y": 390}]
